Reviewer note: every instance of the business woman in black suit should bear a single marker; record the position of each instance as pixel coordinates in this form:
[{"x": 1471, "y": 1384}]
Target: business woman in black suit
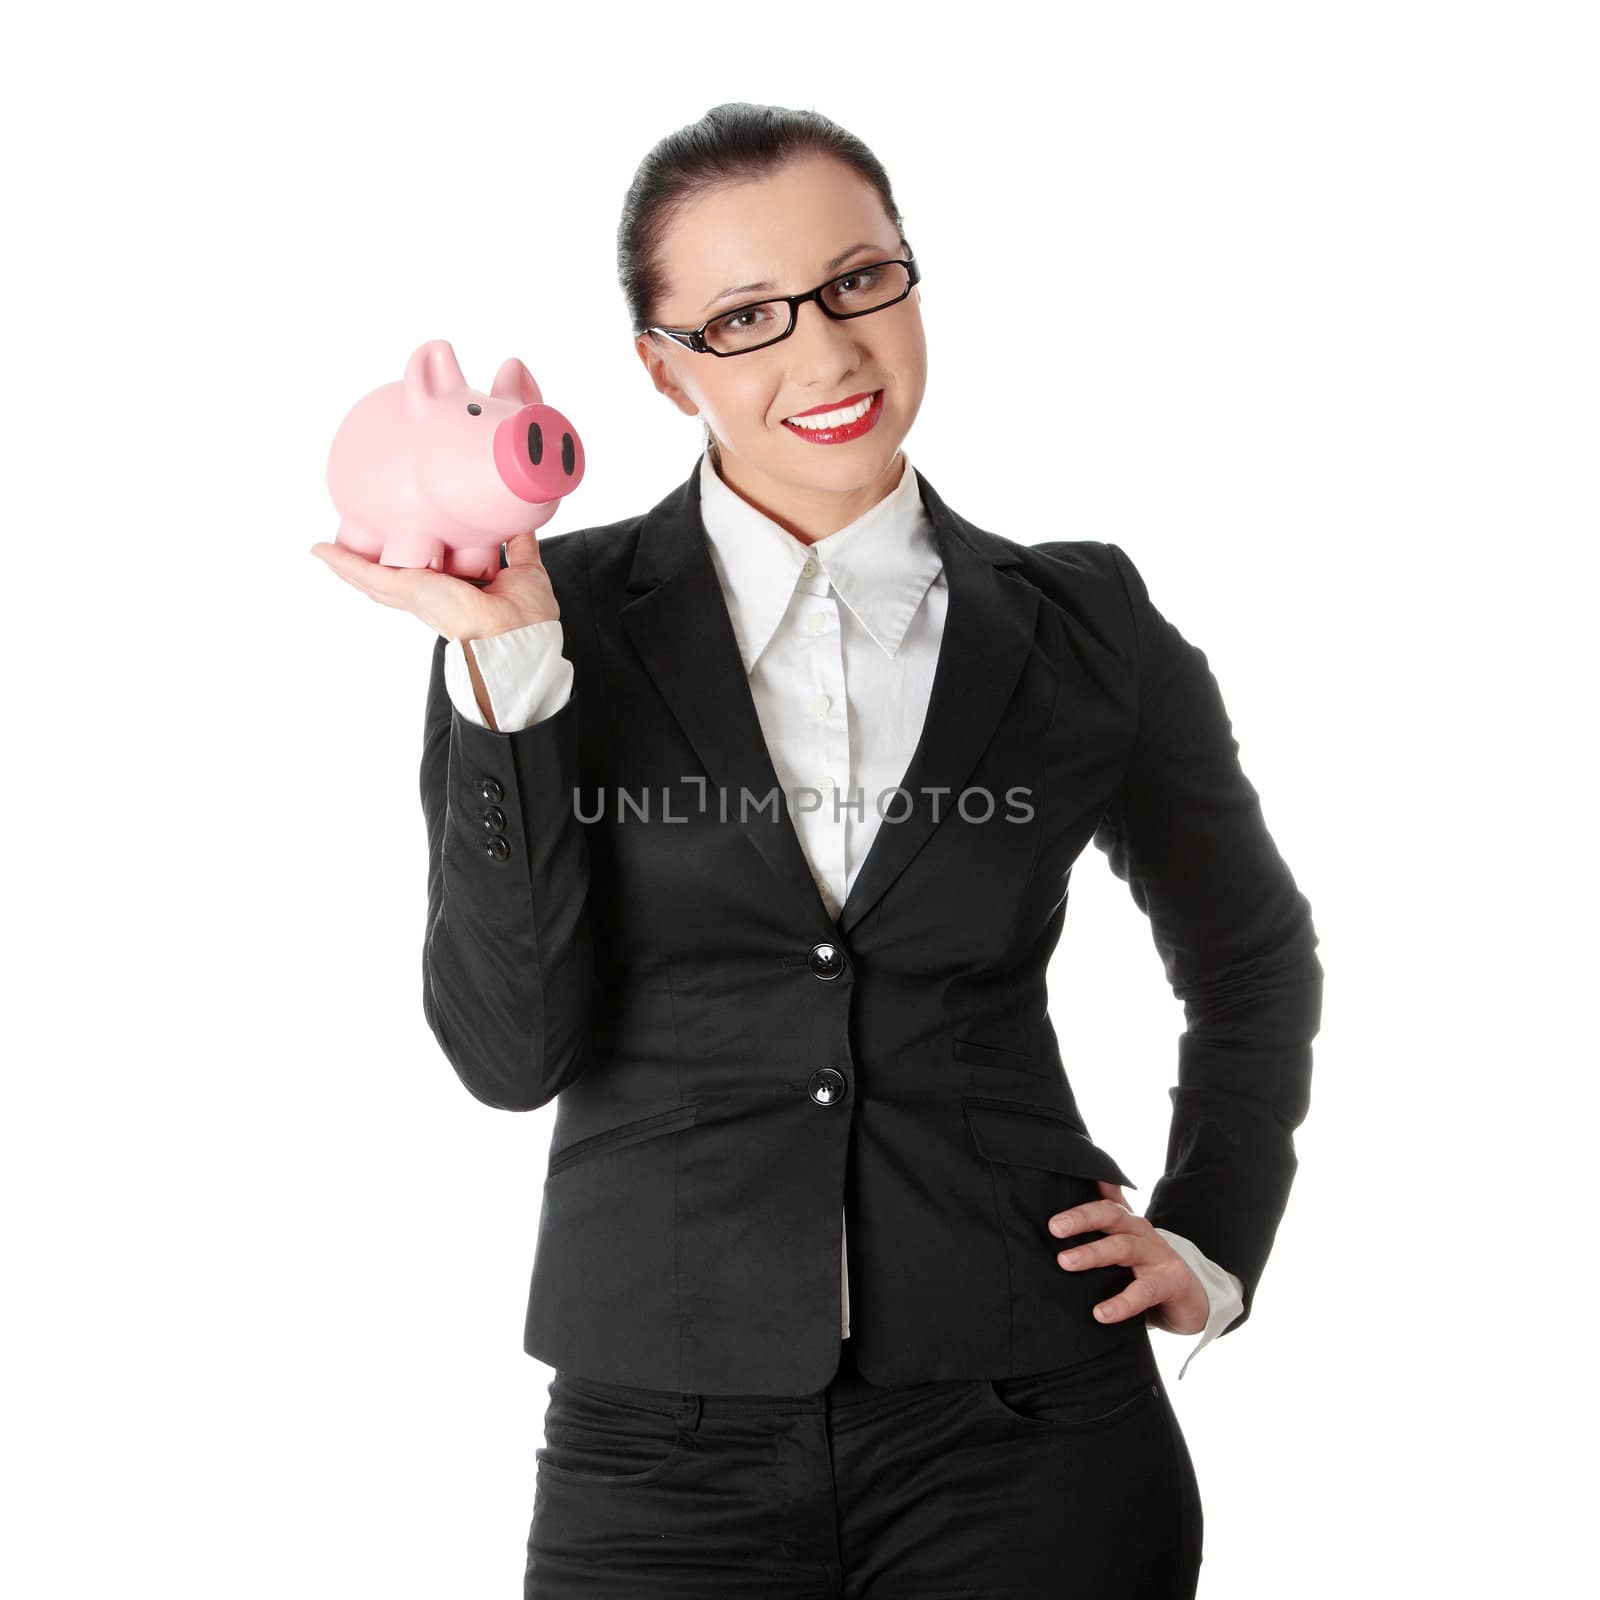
[{"x": 734, "y": 1063}]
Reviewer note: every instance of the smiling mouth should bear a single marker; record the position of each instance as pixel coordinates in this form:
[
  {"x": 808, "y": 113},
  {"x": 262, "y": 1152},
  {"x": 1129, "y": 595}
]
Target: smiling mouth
[{"x": 836, "y": 416}]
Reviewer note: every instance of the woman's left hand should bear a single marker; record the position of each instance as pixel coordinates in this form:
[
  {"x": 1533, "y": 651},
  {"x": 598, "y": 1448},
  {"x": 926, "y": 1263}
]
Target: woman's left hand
[{"x": 1163, "y": 1285}]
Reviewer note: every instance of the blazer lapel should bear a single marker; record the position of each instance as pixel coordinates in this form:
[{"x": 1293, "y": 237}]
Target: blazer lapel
[
  {"x": 988, "y": 632},
  {"x": 679, "y": 624}
]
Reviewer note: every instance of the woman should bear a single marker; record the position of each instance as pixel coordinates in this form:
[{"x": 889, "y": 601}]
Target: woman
[{"x": 827, "y": 1060}]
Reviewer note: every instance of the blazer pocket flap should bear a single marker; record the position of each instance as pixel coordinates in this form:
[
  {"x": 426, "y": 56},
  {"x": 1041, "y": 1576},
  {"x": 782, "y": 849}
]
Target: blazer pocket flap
[
  {"x": 994, "y": 1055},
  {"x": 640, "y": 1129},
  {"x": 1036, "y": 1136}
]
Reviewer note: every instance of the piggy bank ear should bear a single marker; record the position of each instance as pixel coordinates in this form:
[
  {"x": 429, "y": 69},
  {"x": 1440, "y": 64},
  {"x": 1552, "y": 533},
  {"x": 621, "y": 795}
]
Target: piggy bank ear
[
  {"x": 431, "y": 373},
  {"x": 514, "y": 382}
]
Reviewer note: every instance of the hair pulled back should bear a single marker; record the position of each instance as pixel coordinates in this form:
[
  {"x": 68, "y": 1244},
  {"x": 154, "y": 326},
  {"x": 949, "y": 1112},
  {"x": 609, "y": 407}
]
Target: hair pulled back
[{"x": 732, "y": 143}]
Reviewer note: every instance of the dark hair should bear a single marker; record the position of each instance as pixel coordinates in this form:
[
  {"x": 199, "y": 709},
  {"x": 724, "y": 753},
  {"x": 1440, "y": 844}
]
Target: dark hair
[{"x": 731, "y": 143}]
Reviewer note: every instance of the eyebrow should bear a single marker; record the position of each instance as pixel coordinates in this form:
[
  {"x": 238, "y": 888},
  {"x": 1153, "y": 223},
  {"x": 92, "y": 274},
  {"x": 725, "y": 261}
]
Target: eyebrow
[{"x": 827, "y": 266}]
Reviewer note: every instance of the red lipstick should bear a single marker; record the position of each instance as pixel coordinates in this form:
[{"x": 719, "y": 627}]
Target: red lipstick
[{"x": 853, "y": 430}]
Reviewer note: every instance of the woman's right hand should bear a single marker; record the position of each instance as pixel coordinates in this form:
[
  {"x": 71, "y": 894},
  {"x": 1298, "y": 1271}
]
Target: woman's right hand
[{"x": 520, "y": 593}]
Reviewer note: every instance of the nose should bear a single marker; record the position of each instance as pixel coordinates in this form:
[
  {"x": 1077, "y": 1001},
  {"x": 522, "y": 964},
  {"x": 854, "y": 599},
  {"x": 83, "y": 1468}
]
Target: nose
[
  {"x": 538, "y": 454},
  {"x": 825, "y": 338}
]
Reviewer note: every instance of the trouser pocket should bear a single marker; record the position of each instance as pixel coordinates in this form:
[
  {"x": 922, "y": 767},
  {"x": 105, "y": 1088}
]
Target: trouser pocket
[
  {"x": 1097, "y": 1392},
  {"x": 594, "y": 1434}
]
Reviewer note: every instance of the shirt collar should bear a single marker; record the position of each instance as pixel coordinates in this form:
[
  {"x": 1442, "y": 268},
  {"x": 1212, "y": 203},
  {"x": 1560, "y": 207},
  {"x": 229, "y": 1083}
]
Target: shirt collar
[{"x": 880, "y": 565}]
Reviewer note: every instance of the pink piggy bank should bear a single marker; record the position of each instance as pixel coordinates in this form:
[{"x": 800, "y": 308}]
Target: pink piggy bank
[{"x": 426, "y": 472}]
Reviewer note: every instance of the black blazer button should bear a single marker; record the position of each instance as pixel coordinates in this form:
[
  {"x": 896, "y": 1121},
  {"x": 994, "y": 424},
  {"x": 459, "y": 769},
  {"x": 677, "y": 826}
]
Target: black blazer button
[
  {"x": 490, "y": 789},
  {"x": 827, "y": 1085},
  {"x": 493, "y": 820},
  {"x": 827, "y": 960},
  {"x": 497, "y": 847}
]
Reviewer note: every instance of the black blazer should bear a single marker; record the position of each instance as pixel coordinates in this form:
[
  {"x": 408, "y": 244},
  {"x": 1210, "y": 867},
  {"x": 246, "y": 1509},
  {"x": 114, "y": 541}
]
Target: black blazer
[{"x": 731, "y": 1066}]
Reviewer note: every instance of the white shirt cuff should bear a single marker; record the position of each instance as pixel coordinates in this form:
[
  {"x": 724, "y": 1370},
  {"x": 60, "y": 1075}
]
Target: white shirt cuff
[
  {"x": 527, "y": 676},
  {"x": 1224, "y": 1291}
]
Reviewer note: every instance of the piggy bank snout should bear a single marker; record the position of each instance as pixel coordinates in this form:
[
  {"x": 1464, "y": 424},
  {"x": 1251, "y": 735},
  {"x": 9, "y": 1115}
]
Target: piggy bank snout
[{"x": 539, "y": 454}]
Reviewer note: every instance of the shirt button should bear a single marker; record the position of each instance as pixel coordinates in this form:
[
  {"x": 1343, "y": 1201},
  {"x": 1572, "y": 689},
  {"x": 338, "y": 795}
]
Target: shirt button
[
  {"x": 825, "y": 785},
  {"x": 808, "y": 568},
  {"x": 818, "y": 704}
]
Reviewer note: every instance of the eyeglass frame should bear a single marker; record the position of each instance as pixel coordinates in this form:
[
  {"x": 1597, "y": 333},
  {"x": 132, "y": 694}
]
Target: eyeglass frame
[{"x": 695, "y": 338}]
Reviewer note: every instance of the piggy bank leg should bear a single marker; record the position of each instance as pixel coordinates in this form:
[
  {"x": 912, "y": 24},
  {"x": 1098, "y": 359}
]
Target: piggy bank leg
[
  {"x": 352, "y": 537},
  {"x": 413, "y": 550},
  {"x": 478, "y": 565}
]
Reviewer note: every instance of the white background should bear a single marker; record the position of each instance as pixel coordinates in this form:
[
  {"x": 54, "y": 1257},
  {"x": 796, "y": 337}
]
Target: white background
[{"x": 1314, "y": 338}]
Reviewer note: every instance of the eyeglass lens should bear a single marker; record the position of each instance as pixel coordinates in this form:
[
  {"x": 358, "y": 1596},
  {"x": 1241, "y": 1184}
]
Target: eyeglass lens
[{"x": 866, "y": 289}]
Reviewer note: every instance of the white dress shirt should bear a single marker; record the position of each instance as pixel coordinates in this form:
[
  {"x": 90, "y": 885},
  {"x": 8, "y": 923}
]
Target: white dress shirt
[{"x": 840, "y": 639}]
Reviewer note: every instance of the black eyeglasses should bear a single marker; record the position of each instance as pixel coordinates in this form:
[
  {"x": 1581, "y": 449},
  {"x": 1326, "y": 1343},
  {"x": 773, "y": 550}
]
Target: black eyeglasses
[{"x": 856, "y": 293}]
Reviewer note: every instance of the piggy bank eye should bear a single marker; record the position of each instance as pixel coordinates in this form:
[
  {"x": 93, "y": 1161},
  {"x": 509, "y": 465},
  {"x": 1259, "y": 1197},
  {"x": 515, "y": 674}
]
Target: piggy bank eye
[{"x": 474, "y": 409}]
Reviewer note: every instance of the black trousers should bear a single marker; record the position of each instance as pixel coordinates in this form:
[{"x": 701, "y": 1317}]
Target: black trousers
[{"x": 1071, "y": 1482}]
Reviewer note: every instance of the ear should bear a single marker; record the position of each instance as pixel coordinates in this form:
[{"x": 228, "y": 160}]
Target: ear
[
  {"x": 661, "y": 374},
  {"x": 646, "y": 352},
  {"x": 514, "y": 382},
  {"x": 431, "y": 373}
]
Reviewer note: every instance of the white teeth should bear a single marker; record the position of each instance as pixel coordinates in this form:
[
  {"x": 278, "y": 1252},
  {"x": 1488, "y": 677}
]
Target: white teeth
[{"x": 835, "y": 419}]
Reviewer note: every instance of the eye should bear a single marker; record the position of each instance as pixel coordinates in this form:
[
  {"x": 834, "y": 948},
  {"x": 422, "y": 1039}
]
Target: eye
[
  {"x": 857, "y": 281},
  {"x": 474, "y": 409},
  {"x": 743, "y": 321}
]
